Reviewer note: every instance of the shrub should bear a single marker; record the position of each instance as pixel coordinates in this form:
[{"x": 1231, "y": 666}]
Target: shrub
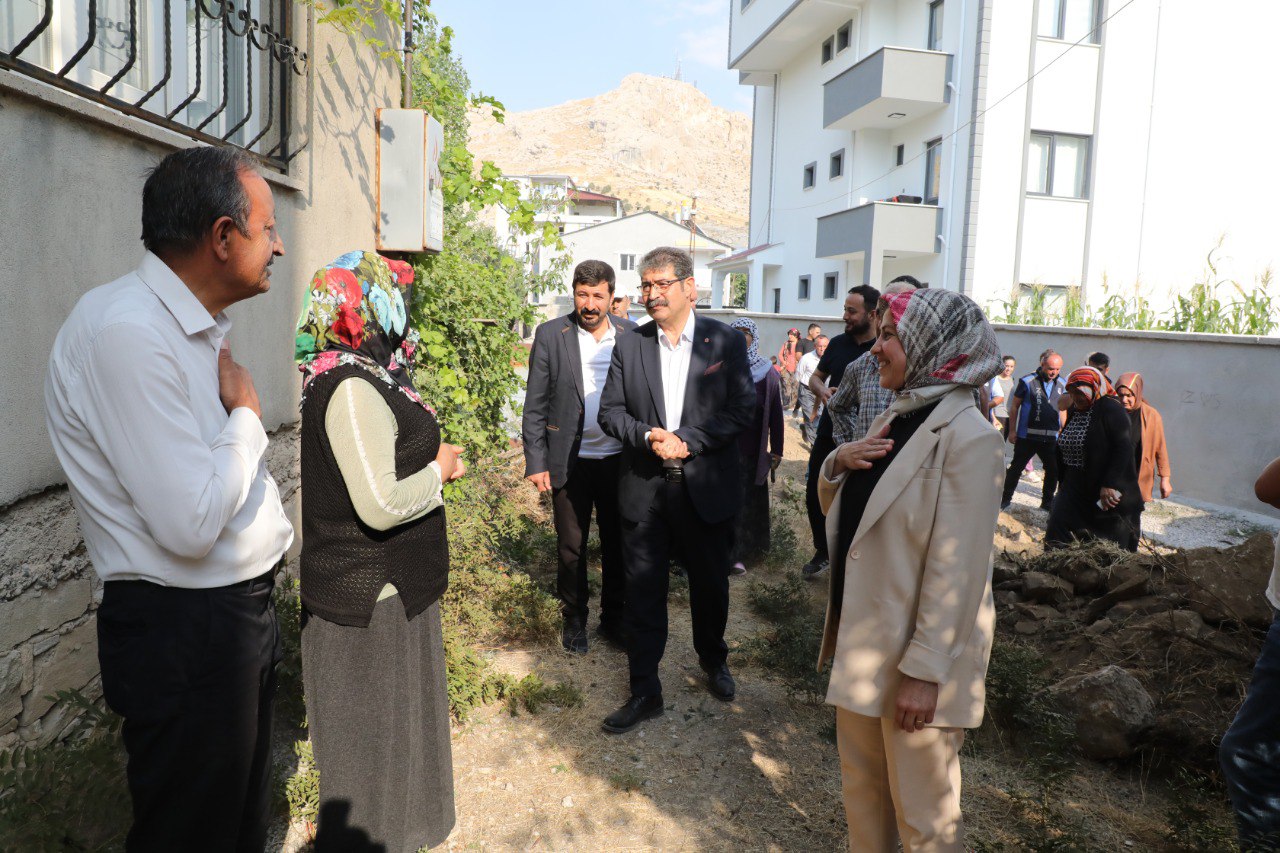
[
  {"x": 790, "y": 647},
  {"x": 71, "y": 794}
]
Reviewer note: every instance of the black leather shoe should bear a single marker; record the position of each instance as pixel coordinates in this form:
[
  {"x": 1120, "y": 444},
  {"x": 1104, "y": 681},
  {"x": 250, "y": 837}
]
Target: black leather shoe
[
  {"x": 613, "y": 635},
  {"x": 574, "y": 638},
  {"x": 720, "y": 682},
  {"x": 636, "y": 710}
]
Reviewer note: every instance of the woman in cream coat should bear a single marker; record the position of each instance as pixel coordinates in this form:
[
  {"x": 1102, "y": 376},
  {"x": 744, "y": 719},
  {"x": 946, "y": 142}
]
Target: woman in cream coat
[{"x": 910, "y": 617}]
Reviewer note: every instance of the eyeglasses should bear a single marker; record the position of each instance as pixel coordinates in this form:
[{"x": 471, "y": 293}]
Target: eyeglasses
[{"x": 662, "y": 285}]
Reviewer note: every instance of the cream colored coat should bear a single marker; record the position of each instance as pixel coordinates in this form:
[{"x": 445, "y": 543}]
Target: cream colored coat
[{"x": 913, "y": 594}]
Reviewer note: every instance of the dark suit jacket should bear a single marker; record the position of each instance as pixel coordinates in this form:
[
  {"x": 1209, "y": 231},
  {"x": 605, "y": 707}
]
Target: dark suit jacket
[
  {"x": 552, "y": 423},
  {"x": 719, "y": 402},
  {"x": 1108, "y": 460}
]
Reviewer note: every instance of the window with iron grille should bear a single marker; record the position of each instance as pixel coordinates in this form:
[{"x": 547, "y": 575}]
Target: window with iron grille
[{"x": 215, "y": 70}]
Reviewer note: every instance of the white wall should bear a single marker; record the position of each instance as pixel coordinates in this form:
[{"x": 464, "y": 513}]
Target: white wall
[{"x": 1221, "y": 432}]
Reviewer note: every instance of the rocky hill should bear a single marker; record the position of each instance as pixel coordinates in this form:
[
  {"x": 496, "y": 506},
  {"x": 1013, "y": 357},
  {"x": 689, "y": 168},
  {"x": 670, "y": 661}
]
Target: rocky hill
[{"x": 653, "y": 141}]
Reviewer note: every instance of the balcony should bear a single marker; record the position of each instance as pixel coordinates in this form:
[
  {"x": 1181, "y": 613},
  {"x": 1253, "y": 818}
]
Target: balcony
[
  {"x": 879, "y": 229},
  {"x": 892, "y": 86},
  {"x": 766, "y": 35}
]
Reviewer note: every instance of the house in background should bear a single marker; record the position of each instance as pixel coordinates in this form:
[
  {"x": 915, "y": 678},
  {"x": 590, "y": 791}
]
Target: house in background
[
  {"x": 989, "y": 146},
  {"x": 623, "y": 242}
]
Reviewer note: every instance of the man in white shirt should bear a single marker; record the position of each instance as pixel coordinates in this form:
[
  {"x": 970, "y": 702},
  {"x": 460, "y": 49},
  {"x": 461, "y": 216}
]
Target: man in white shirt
[
  {"x": 809, "y": 409},
  {"x": 679, "y": 392},
  {"x": 567, "y": 453},
  {"x": 159, "y": 432}
]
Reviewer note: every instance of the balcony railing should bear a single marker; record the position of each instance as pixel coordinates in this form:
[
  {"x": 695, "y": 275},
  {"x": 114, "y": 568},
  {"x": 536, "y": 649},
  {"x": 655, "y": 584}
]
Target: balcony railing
[
  {"x": 217, "y": 71},
  {"x": 892, "y": 86},
  {"x": 873, "y": 230}
]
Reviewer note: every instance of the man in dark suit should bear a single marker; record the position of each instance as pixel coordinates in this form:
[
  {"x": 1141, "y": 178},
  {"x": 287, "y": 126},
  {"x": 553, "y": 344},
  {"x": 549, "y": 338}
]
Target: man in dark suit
[
  {"x": 678, "y": 394},
  {"x": 566, "y": 453}
]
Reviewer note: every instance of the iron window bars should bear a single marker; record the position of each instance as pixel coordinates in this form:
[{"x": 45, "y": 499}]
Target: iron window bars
[{"x": 215, "y": 70}]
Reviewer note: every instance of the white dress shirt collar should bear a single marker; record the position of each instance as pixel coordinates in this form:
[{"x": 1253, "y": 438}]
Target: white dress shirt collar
[
  {"x": 178, "y": 298},
  {"x": 686, "y": 334},
  {"x": 610, "y": 332}
]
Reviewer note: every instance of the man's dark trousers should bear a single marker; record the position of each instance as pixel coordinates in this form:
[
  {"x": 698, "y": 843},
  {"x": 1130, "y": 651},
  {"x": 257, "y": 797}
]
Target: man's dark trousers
[
  {"x": 1250, "y": 753},
  {"x": 592, "y": 482},
  {"x": 193, "y": 673},
  {"x": 822, "y": 447},
  {"x": 1023, "y": 450},
  {"x": 672, "y": 525}
]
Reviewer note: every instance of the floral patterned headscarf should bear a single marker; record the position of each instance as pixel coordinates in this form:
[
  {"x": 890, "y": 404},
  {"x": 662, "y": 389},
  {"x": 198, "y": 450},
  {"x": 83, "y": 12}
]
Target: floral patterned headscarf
[
  {"x": 355, "y": 313},
  {"x": 948, "y": 343},
  {"x": 1092, "y": 383}
]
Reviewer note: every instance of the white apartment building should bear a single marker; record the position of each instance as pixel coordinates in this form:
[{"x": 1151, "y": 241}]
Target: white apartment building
[
  {"x": 990, "y": 145},
  {"x": 559, "y": 201}
]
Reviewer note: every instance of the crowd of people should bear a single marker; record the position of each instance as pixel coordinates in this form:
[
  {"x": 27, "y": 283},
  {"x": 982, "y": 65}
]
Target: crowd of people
[{"x": 668, "y": 432}]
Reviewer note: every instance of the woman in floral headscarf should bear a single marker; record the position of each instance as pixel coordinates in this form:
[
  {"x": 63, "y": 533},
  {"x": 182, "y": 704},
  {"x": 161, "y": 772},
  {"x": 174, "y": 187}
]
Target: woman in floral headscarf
[
  {"x": 1098, "y": 493},
  {"x": 374, "y": 563},
  {"x": 760, "y": 446},
  {"x": 911, "y": 512}
]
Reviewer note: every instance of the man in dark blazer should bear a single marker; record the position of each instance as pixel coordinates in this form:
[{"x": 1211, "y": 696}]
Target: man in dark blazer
[
  {"x": 566, "y": 453},
  {"x": 678, "y": 394}
]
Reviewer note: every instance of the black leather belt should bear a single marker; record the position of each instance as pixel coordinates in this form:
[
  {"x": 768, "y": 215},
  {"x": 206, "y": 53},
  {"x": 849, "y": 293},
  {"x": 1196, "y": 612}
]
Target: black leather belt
[{"x": 673, "y": 475}]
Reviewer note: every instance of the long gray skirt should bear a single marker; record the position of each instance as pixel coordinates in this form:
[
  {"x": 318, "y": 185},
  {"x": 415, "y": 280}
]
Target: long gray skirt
[{"x": 378, "y": 710}]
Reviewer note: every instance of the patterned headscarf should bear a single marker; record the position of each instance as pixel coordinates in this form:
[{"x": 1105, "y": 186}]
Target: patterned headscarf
[
  {"x": 1132, "y": 381},
  {"x": 355, "y": 313},
  {"x": 948, "y": 343},
  {"x": 759, "y": 366},
  {"x": 1092, "y": 382}
]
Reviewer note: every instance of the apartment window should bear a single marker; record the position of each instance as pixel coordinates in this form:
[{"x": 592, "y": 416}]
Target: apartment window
[
  {"x": 828, "y": 50},
  {"x": 836, "y": 167},
  {"x": 935, "y": 25},
  {"x": 932, "y": 170},
  {"x": 626, "y": 262},
  {"x": 810, "y": 175},
  {"x": 1069, "y": 20},
  {"x": 900, "y": 155},
  {"x": 830, "y": 281},
  {"x": 777, "y": 300},
  {"x": 844, "y": 37},
  {"x": 803, "y": 291},
  {"x": 745, "y": 4},
  {"x": 1058, "y": 165}
]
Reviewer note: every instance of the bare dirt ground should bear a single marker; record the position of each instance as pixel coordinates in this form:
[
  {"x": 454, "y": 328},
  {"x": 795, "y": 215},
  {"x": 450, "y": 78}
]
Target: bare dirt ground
[{"x": 759, "y": 773}]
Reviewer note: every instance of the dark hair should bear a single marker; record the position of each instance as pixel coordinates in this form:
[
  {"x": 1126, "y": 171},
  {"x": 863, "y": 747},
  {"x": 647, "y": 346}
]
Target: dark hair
[
  {"x": 870, "y": 296},
  {"x": 594, "y": 272},
  {"x": 188, "y": 191},
  {"x": 813, "y": 326},
  {"x": 667, "y": 256},
  {"x": 1099, "y": 359},
  {"x": 908, "y": 279},
  {"x": 1004, "y": 358}
]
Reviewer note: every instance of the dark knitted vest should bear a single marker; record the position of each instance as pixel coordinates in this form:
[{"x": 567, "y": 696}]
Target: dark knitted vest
[{"x": 345, "y": 563}]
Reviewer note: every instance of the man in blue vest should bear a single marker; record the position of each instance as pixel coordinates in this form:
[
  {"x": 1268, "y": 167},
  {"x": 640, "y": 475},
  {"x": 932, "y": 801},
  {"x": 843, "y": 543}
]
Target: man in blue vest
[{"x": 1034, "y": 421}]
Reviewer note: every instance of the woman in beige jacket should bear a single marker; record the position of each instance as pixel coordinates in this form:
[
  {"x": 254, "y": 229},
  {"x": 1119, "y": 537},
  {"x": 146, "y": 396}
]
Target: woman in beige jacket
[{"x": 910, "y": 616}]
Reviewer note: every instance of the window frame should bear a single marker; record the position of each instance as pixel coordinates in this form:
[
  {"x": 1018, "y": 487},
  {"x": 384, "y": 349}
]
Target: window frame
[
  {"x": 809, "y": 176},
  {"x": 830, "y": 285},
  {"x": 827, "y": 51},
  {"x": 1060, "y": 21},
  {"x": 1086, "y": 165},
  {"x": 804, "y": 288},
  {"x": 900, "y": 154},
  {"x": 937, "y": 20},
  {"x": 626, "y": 263},
  {"x": 845, "y": 34},
  {"x": 930, "y": 157},
  {"x": 835, "y": 165},
  {"x": 777, "y": 300}
]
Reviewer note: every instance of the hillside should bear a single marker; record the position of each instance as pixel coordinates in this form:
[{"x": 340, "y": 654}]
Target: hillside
[{"x": 654, "y": 141}]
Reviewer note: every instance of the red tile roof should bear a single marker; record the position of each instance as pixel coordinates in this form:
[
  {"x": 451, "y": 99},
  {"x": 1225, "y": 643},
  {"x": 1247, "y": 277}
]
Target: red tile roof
[{"x": 583, "y": 195}]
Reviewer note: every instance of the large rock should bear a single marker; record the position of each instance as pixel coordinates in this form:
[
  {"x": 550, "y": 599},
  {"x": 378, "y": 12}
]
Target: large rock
[
  {"x": 43, "y": 610},
  {"x": 1046, "y": 588},
  {"x": 70, "y": 665},
  {"x": 1135, "y": 586},
  {"x": 1111, "y": 710},
  {"x": 15, "y": 679},
  {"x": 1230, "y": 585},
  {"x": 1182, "y": 623}
]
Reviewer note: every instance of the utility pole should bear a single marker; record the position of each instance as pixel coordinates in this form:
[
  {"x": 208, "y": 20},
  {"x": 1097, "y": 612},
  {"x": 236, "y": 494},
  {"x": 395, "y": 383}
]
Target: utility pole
[{"x": 406, "y": 76}]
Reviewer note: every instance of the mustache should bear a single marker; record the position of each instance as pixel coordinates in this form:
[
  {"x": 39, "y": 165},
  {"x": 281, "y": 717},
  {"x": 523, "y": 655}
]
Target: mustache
[{"x": 657, "y": 302}]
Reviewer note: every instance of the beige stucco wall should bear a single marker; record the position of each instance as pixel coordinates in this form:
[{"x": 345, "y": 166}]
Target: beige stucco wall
[{"x": 71, "y": 175}]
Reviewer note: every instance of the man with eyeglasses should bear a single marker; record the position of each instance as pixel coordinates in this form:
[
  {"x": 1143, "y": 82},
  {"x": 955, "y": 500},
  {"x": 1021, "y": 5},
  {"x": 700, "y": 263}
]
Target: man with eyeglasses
[{"x": 679, "y": 391}]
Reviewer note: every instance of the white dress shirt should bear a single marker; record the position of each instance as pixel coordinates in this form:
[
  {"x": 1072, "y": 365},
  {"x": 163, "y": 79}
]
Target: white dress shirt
[
  {"x": 169, "y": 487},
  {"x": 596, "y": 356},
  {"x": 674, "y": 359},
  {"x": 804, "y": 370}
]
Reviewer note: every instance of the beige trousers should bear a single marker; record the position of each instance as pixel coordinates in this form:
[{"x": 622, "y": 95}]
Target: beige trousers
[{"x": 899, "y": 785}]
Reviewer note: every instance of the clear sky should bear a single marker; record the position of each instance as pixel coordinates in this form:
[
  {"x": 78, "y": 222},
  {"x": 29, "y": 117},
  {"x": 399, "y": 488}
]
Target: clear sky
[{"x": 538, "y": 53}]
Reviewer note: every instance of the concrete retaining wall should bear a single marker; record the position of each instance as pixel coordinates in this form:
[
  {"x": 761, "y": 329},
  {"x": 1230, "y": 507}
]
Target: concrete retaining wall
[{"x": 1217, "y": 393}]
